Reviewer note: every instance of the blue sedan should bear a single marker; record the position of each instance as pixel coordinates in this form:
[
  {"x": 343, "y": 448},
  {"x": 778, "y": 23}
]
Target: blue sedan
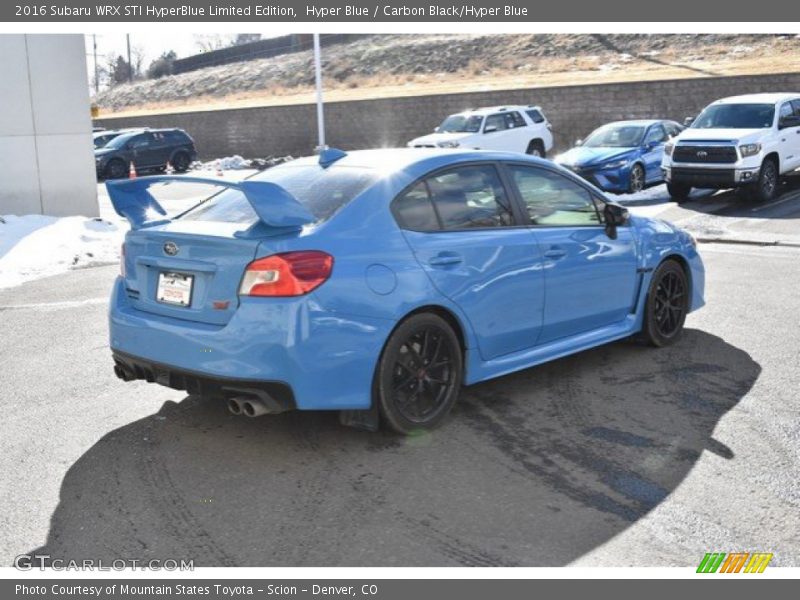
[
  {"x": 622, "y": 157},
  {"x": 377, "y": 283}
]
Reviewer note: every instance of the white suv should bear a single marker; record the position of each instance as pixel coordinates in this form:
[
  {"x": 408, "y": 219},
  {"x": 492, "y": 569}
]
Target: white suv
[
  {"x": 739, "y": 141},
  {"x": 511, "y": 128}
]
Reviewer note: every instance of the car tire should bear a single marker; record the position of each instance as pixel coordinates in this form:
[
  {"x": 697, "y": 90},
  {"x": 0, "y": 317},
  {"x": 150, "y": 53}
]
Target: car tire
[
  {"x": 636, "y": 179},
  {"x": 116, "y": 169},
  {"x": 679, "y": 192},
  {"x": 667, "y": 305},
  {"x": 419, "y": 374},
  {"x": 180, "y": 162},
  {"x": 536, "y": 148},
  {"x": 768, "y": 180}
]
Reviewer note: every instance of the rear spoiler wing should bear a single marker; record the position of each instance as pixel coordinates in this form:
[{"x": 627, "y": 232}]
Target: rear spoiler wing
[{"x": 274, "y": 206}]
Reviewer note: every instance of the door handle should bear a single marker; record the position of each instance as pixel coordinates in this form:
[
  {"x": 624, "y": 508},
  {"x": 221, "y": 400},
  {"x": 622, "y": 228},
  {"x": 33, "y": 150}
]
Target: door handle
[
  {"x": 444, "y": 259},
  {"x": 555, "y": 252}
]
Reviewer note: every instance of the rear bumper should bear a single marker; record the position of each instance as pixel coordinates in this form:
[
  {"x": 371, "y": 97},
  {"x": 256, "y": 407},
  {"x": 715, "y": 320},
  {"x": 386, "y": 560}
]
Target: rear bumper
[
  {"x": 275, "y": 394},
  {"x": 326, "y": 359}
]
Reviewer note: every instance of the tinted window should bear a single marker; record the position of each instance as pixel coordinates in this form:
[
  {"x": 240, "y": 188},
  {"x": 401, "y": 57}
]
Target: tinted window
[
  {"x": 517, "y": 119},
  {"x": 786, "y": 110},
  {"x": 414, "y": 209},
  {"x": 535, "y": 116},
  {"x": 796, "y": 104},
  {"x": 321, "y": 191},
  {"x": 552, "y": 199},
  {"x": 176, "y": 137},
  {"x": 120, "y": 141},
  {"x": 141, "y": 141},
  {"x": 656, "y": 135},
  {"x": 470, "y": 197},
  {"x": 498, "y": 122},
  {"x": 736, "y": 116}
]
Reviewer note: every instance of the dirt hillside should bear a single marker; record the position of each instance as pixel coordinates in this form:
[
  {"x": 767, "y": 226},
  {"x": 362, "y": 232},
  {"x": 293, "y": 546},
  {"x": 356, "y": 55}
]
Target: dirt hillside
[{"x": 386, "y": 65}]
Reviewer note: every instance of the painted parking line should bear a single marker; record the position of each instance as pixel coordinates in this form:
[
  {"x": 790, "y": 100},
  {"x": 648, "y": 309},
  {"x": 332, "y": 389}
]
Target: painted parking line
[
  {"x": 56, "y": 305},
  {"x": 794, "y": 196}
]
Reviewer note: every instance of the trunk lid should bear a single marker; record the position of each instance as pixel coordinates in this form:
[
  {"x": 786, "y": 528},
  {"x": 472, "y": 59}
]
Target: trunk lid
[{"x": 192, "y": 269}]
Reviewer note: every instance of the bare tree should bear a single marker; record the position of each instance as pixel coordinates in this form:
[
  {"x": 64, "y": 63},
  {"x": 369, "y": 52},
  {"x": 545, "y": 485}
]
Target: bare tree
[{"x": 206, "y": 42}]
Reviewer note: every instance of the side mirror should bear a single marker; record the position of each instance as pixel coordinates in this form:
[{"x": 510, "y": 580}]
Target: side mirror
[
  {"x": 490, "y": 129},
  {"x": 435, "y": 130},
  {"x": 614, "y": 216},
  {"x": 688, "y": 121},
  {"x": 579, "y": 142}
]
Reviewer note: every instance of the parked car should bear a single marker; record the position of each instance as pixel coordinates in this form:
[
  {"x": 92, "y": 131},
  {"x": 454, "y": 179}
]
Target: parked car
[
  {"x": 740, "y": 141},
  {"x": 101, "y": 138},
  {"x": 622, "y": 157},
  {"x": 379, "y": 282},
  {"x": 510, "y": 128},
  {"x": 150, "y": 149}
]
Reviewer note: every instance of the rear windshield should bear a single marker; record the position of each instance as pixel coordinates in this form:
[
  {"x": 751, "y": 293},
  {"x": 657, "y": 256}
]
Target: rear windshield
[{"x": 321, "y": 191}]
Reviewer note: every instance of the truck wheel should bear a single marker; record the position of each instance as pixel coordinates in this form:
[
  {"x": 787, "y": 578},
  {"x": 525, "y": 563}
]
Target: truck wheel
[
  {"x": 678, "y": 192},
  {"x": 767, "y": 184},
  {"x": 536, "y": 148}
]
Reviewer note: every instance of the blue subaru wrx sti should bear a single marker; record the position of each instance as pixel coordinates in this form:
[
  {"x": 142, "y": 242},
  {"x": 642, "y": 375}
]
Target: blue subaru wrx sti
[{"x": 379, "y": 282}]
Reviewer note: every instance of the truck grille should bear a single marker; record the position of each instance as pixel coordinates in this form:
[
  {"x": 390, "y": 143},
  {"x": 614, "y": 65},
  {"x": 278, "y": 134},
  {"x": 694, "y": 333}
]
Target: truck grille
[
  {"x": 704, "y": 177},
  {"x": 704, "y": 154}
]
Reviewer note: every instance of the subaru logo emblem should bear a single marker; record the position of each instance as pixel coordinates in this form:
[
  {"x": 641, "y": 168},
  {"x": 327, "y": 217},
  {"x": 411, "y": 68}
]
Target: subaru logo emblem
[
  {"x": 171, "y": 248},
  {"x": 702, "y": 154}
]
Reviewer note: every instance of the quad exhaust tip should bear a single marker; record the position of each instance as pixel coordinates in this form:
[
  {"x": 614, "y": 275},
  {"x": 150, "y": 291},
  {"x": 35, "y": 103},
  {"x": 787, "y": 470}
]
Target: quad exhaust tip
[{"x": 252, "y": 407}]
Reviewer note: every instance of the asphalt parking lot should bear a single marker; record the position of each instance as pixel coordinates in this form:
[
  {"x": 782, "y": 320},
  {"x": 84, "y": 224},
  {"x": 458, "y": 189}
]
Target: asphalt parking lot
[{"x": 622, "y": 455}]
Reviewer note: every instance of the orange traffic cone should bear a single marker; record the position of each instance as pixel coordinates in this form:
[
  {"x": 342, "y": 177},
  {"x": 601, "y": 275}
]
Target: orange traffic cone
[
  {"x": 132, "y": 171},
  {"x": 169, "y": 170}
]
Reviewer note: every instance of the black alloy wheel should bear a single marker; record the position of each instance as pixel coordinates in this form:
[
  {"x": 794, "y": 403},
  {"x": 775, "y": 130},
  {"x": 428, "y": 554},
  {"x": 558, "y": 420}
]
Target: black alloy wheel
[
  {"x": 419, "y": 374},
  {"x": 667, "y": 304}
]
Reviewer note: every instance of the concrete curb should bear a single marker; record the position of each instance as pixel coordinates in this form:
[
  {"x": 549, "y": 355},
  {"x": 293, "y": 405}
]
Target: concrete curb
[{"x": 704, "y": 240}]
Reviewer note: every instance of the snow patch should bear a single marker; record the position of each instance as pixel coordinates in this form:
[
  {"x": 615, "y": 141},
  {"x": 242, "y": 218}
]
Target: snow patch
[{"x": 34, "y": 246}]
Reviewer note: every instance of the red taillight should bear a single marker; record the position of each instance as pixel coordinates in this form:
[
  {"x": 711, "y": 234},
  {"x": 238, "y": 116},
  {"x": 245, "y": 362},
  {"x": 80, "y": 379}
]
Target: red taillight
[
  {"x": 122, "y": 260},
  {"x": 287, "y": 274}
]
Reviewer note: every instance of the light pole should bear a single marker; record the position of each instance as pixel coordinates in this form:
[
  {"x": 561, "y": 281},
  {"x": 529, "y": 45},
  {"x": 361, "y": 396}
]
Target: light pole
[
  {"x": 318, "y": 78},
  {"x": 130, "y": 66}
]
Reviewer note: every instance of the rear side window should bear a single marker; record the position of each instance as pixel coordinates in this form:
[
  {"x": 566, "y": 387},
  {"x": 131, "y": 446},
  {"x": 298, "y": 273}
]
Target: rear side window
[
  {"x": 535, "y": 115},
  {"x": 462, "y": 198},
  {"x": 517, "y": 119},
  {"x": 321, "y": 191},
  {"x": 414, "y": 209},
  {"x": 176, "y": 137}
]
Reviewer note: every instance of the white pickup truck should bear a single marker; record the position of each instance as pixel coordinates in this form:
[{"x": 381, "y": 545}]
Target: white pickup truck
[{"x": 740, "y": 141}]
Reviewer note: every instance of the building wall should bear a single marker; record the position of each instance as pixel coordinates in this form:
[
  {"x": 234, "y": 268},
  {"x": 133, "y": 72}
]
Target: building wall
[
  {"x": 573, "y": 110},
  {"x": 46, "y": 156}
]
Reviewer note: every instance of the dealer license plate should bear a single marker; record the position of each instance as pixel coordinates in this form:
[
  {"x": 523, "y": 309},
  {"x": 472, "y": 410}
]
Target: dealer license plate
[{"x": 175, "y": 288}]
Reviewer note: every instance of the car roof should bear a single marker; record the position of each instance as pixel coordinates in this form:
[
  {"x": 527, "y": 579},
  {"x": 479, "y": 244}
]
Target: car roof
[
  {"x": 765, "y": 98},
  {"x": 641, "y": 122},
  {"x": 484, "y": 110},
  {"x": 394, "y": 160}
]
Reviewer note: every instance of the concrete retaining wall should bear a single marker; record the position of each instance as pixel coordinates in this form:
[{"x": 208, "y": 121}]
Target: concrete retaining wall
[{"x": 573, "y": 110}]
